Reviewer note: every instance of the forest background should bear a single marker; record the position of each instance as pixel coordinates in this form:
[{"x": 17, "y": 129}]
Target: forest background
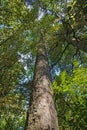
[{"x": 64, "y": 24}]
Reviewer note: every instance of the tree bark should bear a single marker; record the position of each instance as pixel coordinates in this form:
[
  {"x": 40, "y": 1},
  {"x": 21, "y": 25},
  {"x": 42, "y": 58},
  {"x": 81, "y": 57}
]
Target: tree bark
[
  {"x": 81, "y": 45},
  {"x": 42, "y": 114}
]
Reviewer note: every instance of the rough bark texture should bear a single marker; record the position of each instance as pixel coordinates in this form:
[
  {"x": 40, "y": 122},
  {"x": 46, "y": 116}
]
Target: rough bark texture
[{"x": 42, "y": 114}]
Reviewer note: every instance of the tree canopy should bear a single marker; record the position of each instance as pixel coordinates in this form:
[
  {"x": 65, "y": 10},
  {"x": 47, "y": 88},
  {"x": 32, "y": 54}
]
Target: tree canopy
[{"x": 64, "y": 25}]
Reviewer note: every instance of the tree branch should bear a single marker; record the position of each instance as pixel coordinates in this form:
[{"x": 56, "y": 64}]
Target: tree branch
[{"x": 60, "y": 55}]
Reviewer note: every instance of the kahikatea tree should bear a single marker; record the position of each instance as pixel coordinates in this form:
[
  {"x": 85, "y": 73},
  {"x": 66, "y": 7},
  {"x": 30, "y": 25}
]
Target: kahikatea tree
[
  {"x": 64, "y": 26},
  {"x": 42, "y": 114}
]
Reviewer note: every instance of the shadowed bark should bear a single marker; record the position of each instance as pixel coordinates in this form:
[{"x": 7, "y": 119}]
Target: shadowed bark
[
  {"x": 81, "y": 45},
  {"x": 42, "y": 114}
]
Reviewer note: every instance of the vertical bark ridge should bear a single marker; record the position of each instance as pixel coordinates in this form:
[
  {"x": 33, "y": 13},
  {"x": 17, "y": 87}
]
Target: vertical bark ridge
[{"x": 42, "y": 114}]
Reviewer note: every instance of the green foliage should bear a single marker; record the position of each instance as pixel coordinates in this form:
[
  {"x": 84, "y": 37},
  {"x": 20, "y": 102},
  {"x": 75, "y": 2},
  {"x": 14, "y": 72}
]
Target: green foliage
[
  {"x": 70, "y": 98},
  {"x": 12, "y": 121}
]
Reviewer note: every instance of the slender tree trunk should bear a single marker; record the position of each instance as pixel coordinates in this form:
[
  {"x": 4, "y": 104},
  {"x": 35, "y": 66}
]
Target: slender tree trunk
[{"x": 42, "y": 114}]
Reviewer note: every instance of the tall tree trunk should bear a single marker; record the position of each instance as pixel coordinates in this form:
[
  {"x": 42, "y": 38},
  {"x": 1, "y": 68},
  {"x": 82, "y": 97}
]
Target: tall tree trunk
[{"x": 42, "y": 114}]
